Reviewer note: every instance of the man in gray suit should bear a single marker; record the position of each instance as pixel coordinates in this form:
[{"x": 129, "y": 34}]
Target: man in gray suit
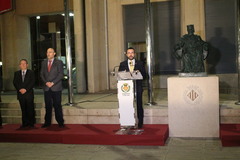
[{"x": 52, "y": 75}]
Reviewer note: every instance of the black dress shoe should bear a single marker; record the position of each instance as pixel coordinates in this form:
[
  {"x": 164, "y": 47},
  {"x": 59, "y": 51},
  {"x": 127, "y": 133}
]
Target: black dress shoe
[
  {"x": 140, "y": 126},
  {"x": 31, "y": 126},
  {"x": 45, "y": 125},
  {"x": 23, "y": 127},
  {"x": 61, "y": 125}
]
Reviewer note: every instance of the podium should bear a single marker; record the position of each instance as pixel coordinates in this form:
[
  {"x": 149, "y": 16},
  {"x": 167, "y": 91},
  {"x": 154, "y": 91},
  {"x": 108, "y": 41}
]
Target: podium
[{"x": 126, "y": 91}]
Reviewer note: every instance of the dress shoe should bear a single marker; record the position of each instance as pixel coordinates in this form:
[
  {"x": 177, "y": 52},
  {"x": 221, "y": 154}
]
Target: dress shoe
[
  {"x": 23, "y": 127},
  {"x": 140, "y": 126},
  {"x": 45, "y": 125},
  {"x": 61, "y": 125},
  {"x": 31, "y": 126}
]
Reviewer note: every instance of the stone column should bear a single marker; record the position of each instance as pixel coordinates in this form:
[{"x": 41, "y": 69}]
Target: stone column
[
  {"x": 192, "y": 12},
  {"x": 115, "y": 37},
  {"x": 16, "y": 44},
  {"x": 96, "y": 42},
  {"x": 79, "y": 45}
]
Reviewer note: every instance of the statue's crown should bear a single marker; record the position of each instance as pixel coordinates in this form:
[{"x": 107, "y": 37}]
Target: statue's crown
[{"x": 190, "y": 26}]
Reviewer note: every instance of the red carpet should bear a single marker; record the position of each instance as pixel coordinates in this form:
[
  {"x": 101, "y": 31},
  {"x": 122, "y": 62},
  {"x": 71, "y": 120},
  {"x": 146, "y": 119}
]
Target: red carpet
[
  {"x": 102, "y": 134},
  {"x": 230, "y": 134}
]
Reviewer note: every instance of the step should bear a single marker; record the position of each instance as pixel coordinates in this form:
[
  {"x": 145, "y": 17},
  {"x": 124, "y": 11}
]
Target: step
[
  {"x": 17, "y": 119},
  {"x": 16, "y": 111},
  {"x": 17, "y": 105},
  {"x": 77, "y": 115}
]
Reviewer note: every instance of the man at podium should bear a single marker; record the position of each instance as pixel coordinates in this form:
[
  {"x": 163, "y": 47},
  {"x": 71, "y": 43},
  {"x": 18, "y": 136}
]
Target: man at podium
[{"x": 130, "y": 65}]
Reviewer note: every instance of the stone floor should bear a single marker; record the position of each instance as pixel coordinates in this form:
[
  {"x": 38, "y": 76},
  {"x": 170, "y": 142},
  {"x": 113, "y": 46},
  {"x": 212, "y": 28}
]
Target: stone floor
[{"x": 175, "y": 149}]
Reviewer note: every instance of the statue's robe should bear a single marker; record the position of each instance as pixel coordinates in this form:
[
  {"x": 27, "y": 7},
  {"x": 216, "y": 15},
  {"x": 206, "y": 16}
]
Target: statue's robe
[{"x": 191, "y": 49}]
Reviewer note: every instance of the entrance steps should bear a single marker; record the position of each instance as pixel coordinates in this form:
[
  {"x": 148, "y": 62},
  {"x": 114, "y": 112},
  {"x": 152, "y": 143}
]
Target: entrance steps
[{"x": 103, "y": 114}]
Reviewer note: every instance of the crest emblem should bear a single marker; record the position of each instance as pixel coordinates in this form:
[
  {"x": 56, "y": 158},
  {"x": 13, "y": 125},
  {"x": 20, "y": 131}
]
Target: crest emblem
[
  {"x": 193, "y": 95},
  {"x": 125, "y": 87}
]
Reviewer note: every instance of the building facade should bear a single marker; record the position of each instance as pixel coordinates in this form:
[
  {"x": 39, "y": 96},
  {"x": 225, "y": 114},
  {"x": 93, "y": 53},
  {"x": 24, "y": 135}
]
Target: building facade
[{"x": 103, "y": 29}]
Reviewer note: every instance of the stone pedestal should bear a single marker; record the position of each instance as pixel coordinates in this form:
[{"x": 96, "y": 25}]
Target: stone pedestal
[{"x": 193, "y": 106}]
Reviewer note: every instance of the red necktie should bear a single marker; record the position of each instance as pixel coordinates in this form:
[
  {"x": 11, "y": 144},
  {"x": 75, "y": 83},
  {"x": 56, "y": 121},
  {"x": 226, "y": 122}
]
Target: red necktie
[{"x": 49, "y": 65}]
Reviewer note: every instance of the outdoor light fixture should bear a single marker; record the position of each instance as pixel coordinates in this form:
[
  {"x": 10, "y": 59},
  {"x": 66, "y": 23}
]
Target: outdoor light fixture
[{"x": 70, "y": 14}]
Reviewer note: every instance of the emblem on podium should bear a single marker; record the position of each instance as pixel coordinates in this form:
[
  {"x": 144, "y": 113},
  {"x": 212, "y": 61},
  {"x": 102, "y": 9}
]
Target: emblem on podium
[{"x": 125, "y": 87}]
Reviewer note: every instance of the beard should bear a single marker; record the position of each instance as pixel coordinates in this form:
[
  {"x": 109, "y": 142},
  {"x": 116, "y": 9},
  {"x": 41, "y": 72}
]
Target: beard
[{"x": 130, "y": 57}]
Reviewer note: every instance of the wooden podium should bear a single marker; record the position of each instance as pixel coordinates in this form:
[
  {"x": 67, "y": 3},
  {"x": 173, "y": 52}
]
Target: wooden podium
[{"x": 126, "y": 92}]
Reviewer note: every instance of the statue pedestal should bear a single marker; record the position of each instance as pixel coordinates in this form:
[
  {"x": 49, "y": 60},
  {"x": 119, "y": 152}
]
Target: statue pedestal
[{"x": 193, "y": 106}]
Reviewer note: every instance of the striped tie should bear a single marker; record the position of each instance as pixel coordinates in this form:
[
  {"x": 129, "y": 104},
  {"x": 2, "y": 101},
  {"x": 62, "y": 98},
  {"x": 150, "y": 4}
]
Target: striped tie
[
  {"x": 23, "y": 75},
  {"x": 131, "y": 66}
]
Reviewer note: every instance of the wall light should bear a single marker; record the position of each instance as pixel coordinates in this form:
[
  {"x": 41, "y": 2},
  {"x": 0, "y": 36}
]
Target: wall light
[{"x": 70, "y": 14}]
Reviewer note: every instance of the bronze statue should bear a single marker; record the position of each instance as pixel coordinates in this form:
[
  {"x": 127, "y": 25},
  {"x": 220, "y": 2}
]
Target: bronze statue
[{"x": 191, "y": 50}]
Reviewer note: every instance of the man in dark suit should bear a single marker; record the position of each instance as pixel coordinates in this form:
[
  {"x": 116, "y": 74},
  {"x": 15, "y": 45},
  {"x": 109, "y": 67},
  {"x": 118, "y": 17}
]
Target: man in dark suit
[
  {"x": 131, "y": 64},
  {"x": 0, "y": 94},
  {"x": 52, "y": 75},
  {"x": 23, "y": 81},
  {"x": 0, "y": 119}
]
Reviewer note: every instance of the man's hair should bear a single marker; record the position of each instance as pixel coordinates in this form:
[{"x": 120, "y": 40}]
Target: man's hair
[
  {"x": 52, "y": 49},
  {"x": 130, "y": 48},
  {"x": 23, "y": 60}
]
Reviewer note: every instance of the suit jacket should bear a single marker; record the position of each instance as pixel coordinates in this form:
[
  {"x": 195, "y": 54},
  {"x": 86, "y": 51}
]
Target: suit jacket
[
  {"x": 138, "y": 66},
  {"x": 55, "y": 75},
  {"x": 28, "y": 83}
]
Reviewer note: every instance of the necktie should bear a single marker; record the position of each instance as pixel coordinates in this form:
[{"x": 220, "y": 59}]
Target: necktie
[
  {"x": 49, "y": 65},
  {"x": 23, "y": 75},
  {"x": 131, "y": 66}
]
